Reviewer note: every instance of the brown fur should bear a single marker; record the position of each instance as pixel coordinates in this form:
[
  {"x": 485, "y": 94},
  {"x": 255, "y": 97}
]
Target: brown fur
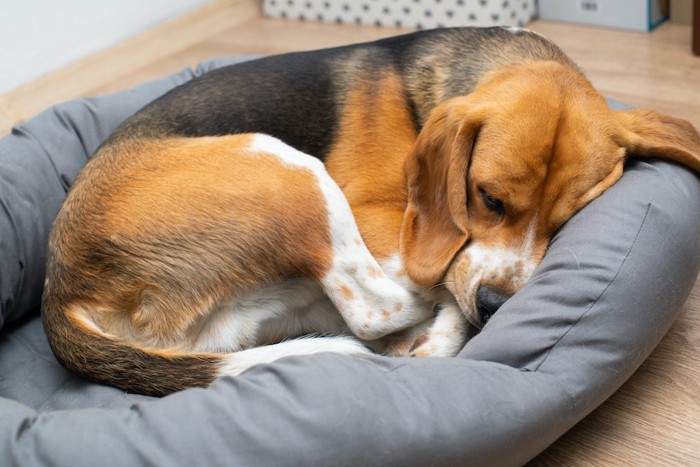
[
  {"x": 129, "y": 249},
  {"x": 368, "y": 156}
]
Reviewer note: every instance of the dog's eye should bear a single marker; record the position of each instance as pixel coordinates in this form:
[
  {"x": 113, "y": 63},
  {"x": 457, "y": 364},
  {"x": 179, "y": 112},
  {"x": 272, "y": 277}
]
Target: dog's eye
[{"x": 493, "y": 204}]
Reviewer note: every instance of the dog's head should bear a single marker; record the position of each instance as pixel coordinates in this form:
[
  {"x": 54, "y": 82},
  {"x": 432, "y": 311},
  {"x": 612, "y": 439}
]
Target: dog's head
[{"x": 495, "y": 173}]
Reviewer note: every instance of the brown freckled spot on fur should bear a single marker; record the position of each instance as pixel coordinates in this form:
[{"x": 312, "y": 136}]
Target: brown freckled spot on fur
[
  {"x": 346, "y": 292},
  {"x": 352, "y": 270},
  {"x": 398, "y": 307},
  {"x": 374, "y": 272},
  {"x": 386, "y": 315},
  {"x": 366, "y": 325},
  {"x": 518, "y": 272}
]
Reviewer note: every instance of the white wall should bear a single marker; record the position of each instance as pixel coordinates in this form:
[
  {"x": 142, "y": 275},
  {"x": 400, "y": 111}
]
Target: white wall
[{"x": 37, "y": 36}]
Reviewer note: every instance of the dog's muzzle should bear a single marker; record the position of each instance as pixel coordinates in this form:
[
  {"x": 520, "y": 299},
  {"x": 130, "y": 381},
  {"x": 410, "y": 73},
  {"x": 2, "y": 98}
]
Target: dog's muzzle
[{"x": 488, "y": 301}]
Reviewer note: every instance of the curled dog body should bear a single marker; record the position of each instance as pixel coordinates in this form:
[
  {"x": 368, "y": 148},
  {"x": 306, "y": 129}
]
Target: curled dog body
[{"x": 421, "y": 170}]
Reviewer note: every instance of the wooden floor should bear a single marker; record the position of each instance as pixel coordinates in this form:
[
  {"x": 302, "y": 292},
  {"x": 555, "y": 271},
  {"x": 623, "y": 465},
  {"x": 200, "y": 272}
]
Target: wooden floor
[{"x": 655, "y": 418}]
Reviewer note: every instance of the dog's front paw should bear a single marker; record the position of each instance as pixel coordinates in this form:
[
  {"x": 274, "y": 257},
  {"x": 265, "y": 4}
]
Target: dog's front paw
[
  {"x": 445, "y": 338},
  {"x": 437, "y": 344}
]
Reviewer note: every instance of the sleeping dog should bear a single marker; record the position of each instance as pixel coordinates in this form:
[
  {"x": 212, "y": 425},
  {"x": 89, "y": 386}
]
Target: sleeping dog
[{"x": 380, "y": 195}]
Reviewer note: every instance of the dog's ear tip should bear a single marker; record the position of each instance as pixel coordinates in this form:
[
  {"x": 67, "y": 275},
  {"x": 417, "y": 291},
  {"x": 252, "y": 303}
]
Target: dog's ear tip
[
  {"x": 425, "y": 272},
  {"x": 426, "y": 259},
  {"x": 654, "y": 134},
  {"x": 422, "y": 273}
]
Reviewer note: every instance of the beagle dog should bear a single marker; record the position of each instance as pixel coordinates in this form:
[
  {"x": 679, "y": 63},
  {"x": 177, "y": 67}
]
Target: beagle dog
[{"x": 377, "y": 196}]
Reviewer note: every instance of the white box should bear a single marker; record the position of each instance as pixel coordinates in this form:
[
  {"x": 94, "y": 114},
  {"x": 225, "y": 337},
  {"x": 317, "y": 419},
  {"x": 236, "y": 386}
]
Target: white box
[
  {"x": 639, "y": 15},
  {"x": 420, "y": 14}
]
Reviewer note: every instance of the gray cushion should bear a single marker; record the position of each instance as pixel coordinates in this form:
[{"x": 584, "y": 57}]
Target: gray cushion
[{"x": 614, "y": 279}]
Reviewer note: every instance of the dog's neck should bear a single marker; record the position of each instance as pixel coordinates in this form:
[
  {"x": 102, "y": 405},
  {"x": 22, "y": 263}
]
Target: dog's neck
[{"x": 361, "y": 166}]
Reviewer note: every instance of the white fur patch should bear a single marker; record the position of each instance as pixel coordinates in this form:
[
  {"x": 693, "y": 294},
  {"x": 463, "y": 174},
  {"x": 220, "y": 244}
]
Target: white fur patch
[
  {"x": 489, "y": 264},
  {"x": 238, "y": 362},
  {"x": 519, "y": 30},
  {"x": 285, "y": 153},
  {"x": 273, "y": 313}
]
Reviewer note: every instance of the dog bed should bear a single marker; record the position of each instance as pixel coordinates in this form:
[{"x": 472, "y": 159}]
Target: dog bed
[{"x": 608, "y": 289}]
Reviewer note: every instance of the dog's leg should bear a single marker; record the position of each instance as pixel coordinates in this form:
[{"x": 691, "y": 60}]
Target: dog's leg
[
  {"x": 372, "y": 304},
  {"x": 307, "y": 313},
  {"x": 400, "y": 343},
  {"x": 442, "y": 336},
  {"x": 445, "y": 337}
]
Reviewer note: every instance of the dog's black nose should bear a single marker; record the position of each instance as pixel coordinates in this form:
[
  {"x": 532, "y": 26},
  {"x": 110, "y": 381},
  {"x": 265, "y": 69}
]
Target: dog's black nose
[{"x": 488, "y": 301}]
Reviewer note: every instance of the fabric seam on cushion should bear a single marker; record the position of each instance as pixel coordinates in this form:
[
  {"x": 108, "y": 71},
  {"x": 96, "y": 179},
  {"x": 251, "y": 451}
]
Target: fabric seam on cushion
[
  {"x": 381, "y": 367},
  {"x": 595, "y": 302},
  {"x": 20, "y": 258}
]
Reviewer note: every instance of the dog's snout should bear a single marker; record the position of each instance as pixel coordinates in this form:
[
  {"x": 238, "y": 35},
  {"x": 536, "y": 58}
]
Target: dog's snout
[{"x": 488, "y": 301}]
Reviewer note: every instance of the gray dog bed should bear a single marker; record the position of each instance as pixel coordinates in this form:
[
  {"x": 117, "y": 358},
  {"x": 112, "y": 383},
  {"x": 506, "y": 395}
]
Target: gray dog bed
[{"x": 608, "y": 289}]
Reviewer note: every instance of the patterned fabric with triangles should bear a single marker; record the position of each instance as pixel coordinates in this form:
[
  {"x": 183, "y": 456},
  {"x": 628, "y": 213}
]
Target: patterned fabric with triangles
[{"x": 420, "y": 14}]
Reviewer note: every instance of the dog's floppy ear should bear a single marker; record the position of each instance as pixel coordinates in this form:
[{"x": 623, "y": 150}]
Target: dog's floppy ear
[
  {"x": 646, "y": 133},
  {"x": 435, "y": 224}
]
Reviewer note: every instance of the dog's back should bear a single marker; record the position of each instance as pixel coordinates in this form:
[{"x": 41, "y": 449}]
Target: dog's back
[{"x": 299, "y": 97}]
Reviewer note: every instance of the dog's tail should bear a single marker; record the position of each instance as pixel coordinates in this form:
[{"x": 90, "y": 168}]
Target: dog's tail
[{"x": 82, "y": 347}]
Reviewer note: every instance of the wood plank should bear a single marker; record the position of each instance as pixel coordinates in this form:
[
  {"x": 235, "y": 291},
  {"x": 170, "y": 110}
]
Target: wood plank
[
  {"x": 696, "y": 27},
  {"x": 654, "y": 70},
  {"x": 654, "y": 419}
]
